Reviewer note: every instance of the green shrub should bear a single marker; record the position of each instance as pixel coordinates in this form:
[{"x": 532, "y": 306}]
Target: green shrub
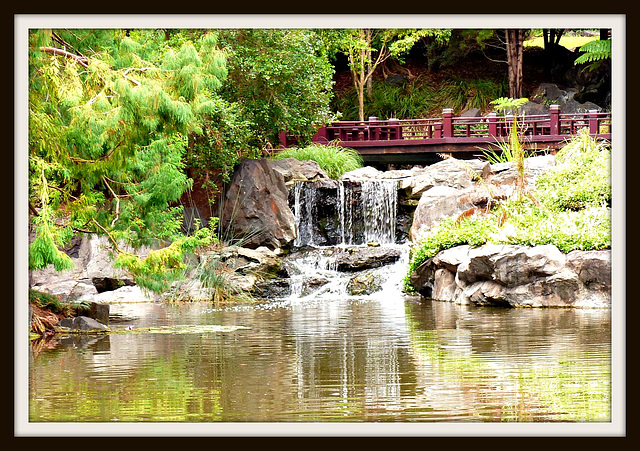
[
  {"x": 587, "y": 229},
  {"x": 333, "y": 160},
  {"x": 581, "y": 177},
  {"x": 163, "y": 266}
]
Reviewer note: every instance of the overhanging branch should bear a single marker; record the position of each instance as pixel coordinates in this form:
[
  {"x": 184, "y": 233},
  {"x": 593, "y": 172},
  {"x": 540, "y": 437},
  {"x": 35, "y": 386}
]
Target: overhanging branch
[{"x": 54, "y": 51}]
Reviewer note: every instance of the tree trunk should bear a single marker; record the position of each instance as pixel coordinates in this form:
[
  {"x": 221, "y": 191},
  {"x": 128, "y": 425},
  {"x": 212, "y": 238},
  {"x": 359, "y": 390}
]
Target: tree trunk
[
  {"x": 369, "y": 63},
  {"x": 551, "y": 42},
  {"x": 359, "y": 81},
  {"x": 515, "y": 49},
  {"x": 361, "y": 103}
]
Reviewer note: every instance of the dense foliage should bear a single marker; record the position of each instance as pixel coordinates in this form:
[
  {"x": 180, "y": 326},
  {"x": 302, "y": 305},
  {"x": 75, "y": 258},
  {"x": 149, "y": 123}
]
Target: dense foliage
[
  {"x": 420, "y": 97},
  {"x": 281, "y": 79},
  {"x": 118, "y": 118},
  {"x": 109, "y": 127},
  {"x": 121, "y": 121}
]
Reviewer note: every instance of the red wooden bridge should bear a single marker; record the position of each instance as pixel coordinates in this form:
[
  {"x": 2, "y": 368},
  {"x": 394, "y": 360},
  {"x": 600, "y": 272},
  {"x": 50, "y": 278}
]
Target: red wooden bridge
[{"x": 417, "y": 141}]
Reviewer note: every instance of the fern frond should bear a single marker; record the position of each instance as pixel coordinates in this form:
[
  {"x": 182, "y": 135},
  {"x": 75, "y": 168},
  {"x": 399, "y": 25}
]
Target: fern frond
[{"x": 594, "y": 51}]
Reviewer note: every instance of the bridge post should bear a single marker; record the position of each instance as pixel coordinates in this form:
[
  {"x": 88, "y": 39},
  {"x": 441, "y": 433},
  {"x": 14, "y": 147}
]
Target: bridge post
[
  {"x": 447, "y": 123},
  {"x": 493, "y": 124},
  {"x": 593, "y": 122},
  {"x": 282, "y": 137},
  {"x": 554, "y": 119},
  {"x": 320, "y": 136}
]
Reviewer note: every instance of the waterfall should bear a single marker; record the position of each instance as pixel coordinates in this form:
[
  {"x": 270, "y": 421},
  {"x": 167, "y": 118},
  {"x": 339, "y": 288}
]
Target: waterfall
[
  {"x": 342, "y": 217},
  {"x": 304, "y": 200},
  {"x": 379, "y": 203},
  {"x": 351, "y": 213}
]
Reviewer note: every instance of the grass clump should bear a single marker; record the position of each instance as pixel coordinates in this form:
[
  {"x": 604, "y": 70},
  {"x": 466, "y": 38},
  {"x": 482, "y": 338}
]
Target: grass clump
[
  {"x": 571, "y": 211},
  {"x": 48, "y": 302},
  {"x": 333, "y": 160}
]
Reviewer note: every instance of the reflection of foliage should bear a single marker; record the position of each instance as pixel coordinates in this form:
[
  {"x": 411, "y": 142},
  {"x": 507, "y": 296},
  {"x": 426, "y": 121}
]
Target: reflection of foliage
[
  {"x": 140, "y": 397},
  {"x": 565, "y": 387}
]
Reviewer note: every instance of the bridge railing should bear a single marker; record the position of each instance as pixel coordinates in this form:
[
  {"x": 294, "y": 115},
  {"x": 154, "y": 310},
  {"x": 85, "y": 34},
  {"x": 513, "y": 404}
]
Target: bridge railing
[{"x": 554, "y": 126}]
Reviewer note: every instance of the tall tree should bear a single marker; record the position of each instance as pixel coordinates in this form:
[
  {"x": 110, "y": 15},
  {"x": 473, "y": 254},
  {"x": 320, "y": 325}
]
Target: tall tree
[
  {"x": 281, "y": 79},
  {"x": 514, "y": 39},
  {"x": 366, "y": 49}
]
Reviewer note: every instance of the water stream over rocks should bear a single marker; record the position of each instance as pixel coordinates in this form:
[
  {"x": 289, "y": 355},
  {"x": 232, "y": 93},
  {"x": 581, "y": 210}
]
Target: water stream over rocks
[
  {"x": 345, "y": 227},
  {"x": 340, "y": 212}
]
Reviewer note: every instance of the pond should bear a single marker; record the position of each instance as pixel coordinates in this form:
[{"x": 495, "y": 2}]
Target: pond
[{"x": 373, "y": 359}]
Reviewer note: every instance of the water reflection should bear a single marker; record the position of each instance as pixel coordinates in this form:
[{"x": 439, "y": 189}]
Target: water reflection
[{"x": 349, "y": 359}]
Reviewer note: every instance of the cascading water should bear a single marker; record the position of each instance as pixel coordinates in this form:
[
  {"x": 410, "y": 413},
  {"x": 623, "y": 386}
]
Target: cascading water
[
  {"x": 342, "y": 216},
  {"x": 364, "y": 212},
  {"x": 379, "y": 204},
  {"x": 304, "y": 200}
]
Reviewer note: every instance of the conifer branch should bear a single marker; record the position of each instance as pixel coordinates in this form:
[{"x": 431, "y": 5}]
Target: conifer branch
[
  {"x": 117, "y": 201},
  {"x": 54, "y": 51},
  {"x": 102, "y": 158}
]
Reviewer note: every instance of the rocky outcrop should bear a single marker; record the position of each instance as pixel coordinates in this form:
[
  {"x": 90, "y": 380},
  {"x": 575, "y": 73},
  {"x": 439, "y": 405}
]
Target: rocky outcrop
[
  {"x": 356, "y": 258},
  {"x": 448, "y": 190},
  {"x": 255, "y": 208},
  {"x": 294, "y": 170},
  {"x": 517, "y": 276},
  {"x": 93, "y": 277},
  {"x": 242, "y": 270},
  {"x": 81, "y": 324},
  {"x": 571, "y": 100}
]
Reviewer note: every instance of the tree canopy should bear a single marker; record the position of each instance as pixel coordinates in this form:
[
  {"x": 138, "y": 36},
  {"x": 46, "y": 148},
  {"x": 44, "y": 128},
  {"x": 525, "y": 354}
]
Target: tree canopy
[
  {"x": 109, "y": 126},
  {"x": 116, "y": 116}
]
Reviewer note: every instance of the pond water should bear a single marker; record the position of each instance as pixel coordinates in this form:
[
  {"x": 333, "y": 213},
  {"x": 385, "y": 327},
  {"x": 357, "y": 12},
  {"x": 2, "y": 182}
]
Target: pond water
[{"x": 348, "y": 359}]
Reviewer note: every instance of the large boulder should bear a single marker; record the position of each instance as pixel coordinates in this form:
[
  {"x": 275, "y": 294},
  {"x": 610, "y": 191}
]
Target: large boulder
[
  {"x": 436, "y": 204},
  {"x": 357, "y": 258},
  {"x": 255, "y": 208},
  {"x": 516, "y": 276}
]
